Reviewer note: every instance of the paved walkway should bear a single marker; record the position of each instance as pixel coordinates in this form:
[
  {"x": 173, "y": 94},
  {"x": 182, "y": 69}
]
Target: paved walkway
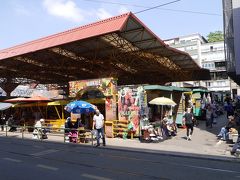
[{"x": 204, "y": 141}]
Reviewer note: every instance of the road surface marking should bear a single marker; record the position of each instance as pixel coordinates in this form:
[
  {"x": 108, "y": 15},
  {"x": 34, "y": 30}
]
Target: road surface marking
[
  {"x": 94, "y": 177},
  {"x": 45, "y": 152},
  {"x": 212, "y": 169},
  {"x": 11, "y": 159},
  {"x": 47, "y": 167}
]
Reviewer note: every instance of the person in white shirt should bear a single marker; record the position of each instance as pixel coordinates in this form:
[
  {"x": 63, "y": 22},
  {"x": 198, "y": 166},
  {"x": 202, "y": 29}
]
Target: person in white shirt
[
  {"x": 98, "y": 124},
  {"x": 38, "y": 131}
]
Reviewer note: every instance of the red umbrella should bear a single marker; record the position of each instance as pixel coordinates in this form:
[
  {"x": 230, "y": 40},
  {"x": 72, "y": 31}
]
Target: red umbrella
[
  {"x": 19, "y": 99},
  {"x": 37, "y": 99}
]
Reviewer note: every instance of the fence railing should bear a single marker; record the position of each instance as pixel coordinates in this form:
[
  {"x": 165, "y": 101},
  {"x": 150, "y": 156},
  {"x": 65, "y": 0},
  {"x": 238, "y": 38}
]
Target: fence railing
[{"x": 66, "y": 135}]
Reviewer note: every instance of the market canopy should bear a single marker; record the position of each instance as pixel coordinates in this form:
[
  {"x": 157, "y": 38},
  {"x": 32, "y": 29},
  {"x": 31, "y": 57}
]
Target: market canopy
[{"x": 121, "y": 47}]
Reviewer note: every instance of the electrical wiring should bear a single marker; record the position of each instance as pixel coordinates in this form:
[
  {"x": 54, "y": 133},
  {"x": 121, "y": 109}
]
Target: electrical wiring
[{"x": 160, "y": 8}]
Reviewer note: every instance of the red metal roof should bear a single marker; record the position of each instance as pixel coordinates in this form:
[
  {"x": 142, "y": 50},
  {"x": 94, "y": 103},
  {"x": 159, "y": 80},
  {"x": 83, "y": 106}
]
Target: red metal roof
[
  {"x": 99, "y": 28},
  {"x": 106, "y": 26},
  {"x": 120, "y": 36}
]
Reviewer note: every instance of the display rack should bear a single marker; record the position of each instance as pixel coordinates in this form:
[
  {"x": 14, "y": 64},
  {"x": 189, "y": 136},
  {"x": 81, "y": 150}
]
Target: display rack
[{"x": 120, "y": 128}]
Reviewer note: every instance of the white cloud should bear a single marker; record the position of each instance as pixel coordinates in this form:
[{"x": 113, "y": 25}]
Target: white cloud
[
  {"x": 123, "y": 10},
  {"x": 103, "y": 14},
  {"x": 66, "y": 9},
  {"x": 69, "y": 10},
  {"x": 20, "y": 9}
]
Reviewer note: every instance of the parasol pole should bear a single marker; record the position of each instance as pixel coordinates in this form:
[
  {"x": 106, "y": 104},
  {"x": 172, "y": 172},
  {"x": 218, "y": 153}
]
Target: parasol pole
[
  {"x": 62, "y": 112},
  {"x": 161, "y": 112}
]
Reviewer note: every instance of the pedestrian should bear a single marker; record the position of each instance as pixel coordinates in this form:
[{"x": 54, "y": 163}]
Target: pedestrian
[
  {"x": 229, "y": 109},
  {"x": 68, "y": 125},
  {"x": 209, "y": 116},
  {"x": 37, "y": 132},
  {"x": 2, "y": 121},
  {"x": 98, "y": 124},
  {"x": 224, "y": 132},
  {"x": 78, "y": 123},
  {"x": 188, "y": 121},
  {"x": 11, "y": 124}
]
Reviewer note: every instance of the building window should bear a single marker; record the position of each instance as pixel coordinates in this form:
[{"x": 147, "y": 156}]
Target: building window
[
  {"x": 220, "y": 64},
  {"x": 221, "y": 83},
  {"x": 208, "y": 84},
  {"x": 221, "y": 75},
  {"x": 212, "y": 75}
]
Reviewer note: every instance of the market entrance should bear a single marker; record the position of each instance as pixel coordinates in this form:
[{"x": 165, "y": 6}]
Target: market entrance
[
  {"x": 94, "y": 96},
  {"x": 100, "y": 92}
]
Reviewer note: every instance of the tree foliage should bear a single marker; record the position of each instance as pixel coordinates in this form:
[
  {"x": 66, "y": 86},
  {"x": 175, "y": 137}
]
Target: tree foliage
[{"x": 215, "y": 36}]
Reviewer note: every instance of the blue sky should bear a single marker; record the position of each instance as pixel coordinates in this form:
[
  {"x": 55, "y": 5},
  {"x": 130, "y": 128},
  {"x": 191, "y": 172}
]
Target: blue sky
[{"x": 26, "y": 20}]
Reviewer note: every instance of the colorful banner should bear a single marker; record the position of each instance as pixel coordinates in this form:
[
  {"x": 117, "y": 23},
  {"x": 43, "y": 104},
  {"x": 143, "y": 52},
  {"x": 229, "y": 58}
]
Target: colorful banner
[
  {"x": 131, "y": 105},
  {"x": 107, "y": 86}
]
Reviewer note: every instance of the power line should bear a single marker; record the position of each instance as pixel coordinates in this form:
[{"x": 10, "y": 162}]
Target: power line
[
  {"x": 157, "y": 6},
  {"x": 193, "y": 12},
  {"x": 166, "y": 9}
]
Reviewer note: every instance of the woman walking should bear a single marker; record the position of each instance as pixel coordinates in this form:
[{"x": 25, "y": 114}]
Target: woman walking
[{"x": 188, "y": 121}]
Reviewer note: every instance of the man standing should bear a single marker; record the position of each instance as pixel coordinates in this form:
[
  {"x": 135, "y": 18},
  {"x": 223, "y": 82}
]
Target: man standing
[
  {"x": 98, "y": 123},
  {"x": 188, "y": 121}
]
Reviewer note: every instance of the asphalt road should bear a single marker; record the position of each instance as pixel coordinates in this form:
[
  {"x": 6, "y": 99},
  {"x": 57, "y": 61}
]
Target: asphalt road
[{"x": 35, "y": 160}]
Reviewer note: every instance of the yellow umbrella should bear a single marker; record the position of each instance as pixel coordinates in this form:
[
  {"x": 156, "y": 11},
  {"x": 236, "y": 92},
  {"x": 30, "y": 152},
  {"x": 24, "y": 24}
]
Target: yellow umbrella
[{"x": 162, "y": 101}]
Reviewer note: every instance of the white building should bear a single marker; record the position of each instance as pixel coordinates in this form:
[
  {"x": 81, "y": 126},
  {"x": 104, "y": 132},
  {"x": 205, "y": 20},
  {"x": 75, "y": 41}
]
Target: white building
[
  {"x": 207, "y": 55},
  {"x": 213, "y": 58},
  {"x": 190, "y": 44}
]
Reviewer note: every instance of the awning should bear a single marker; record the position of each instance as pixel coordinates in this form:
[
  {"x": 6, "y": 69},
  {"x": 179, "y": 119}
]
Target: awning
[
  {"x": 200, "y": 90},
  {"x": 158, "y": 87},
  {"x": 166, "y": 88}
]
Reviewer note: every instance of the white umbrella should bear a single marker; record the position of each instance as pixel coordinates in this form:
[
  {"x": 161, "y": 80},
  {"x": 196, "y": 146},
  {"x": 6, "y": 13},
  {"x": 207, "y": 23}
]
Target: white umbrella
[
  {"x": 4, "y": 106},
  {"x": 162, "y": 101}
]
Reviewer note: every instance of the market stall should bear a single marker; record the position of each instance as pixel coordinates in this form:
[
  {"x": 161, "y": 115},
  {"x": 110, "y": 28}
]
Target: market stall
[
  {"x": 200, "y": 97},
  {"x": 100, "y": 92}
]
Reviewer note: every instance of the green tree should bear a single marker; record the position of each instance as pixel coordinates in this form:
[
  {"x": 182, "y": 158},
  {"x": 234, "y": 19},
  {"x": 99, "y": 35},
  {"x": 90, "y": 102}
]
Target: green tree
[{"x": 215, "y": 36}]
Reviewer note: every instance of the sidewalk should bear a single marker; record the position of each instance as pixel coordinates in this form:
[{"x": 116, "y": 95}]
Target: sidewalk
[{"x": 204, "y": 141}]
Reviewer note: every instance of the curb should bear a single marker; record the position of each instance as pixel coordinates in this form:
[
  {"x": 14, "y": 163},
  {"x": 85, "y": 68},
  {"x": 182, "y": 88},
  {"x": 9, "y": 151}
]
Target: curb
[
  {"x": 175, "y": 154},
  {"x": 139, "y": 150}
]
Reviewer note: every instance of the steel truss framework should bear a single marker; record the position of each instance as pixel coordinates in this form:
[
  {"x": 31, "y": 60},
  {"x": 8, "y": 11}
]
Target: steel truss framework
[{"x": 133, "y": 54}]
